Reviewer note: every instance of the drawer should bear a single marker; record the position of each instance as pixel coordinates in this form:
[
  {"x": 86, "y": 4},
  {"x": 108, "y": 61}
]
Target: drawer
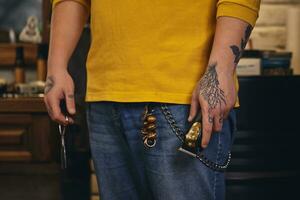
[
  {"x": 24, "y": 137},
  {"x": 15, "y": 143},
  {"x": 11, "y": 155},
  {"x": 12, "y": 136}
]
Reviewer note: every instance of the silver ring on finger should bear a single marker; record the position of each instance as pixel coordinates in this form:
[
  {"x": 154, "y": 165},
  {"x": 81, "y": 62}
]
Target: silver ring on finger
[{"x": 67, "y": 119}]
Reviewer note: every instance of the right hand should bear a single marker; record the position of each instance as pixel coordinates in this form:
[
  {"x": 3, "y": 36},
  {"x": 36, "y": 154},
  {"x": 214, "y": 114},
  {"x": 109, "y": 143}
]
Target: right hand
[{"x": 59, "y": 86}]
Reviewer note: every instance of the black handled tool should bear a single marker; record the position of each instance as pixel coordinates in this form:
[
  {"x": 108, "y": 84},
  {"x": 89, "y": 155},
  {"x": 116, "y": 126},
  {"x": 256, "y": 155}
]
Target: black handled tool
[{"x": 62, "y": 132}]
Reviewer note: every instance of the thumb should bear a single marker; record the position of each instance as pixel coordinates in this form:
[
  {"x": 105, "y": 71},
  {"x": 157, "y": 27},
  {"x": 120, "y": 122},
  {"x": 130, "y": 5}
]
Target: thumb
[{"x": 70, "y": 101}]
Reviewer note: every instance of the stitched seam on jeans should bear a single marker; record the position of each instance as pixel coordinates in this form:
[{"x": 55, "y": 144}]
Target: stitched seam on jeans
[
  {"x": 233, "y": 126},
  {"x": 217, "y": 159},
  {"x": 88, "y": 116}
]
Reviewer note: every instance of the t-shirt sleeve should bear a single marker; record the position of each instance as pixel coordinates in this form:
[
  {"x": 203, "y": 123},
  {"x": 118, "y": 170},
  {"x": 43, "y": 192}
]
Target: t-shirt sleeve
[
  {"x": 246, "y": 10},
  {"x": 85, "y": 3}
]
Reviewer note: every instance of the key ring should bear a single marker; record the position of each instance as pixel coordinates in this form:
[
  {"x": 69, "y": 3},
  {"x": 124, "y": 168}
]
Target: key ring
[{"x": 149, "y": 143}]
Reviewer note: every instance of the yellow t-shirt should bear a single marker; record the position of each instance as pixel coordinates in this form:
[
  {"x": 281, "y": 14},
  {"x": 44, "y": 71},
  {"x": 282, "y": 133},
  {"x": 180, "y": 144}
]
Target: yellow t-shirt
[{"x": 153, "y": 50}]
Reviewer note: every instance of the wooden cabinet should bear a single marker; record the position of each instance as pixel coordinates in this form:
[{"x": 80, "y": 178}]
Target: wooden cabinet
[{"x": 26, "y": 131}]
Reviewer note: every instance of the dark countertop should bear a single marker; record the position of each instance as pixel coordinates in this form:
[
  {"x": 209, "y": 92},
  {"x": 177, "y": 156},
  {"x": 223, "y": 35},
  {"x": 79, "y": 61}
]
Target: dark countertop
[{"x": 22, "y": 104}]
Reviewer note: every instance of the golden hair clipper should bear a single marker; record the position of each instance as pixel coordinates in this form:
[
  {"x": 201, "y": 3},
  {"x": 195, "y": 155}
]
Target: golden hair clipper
[{"x": 192, "y": 139}]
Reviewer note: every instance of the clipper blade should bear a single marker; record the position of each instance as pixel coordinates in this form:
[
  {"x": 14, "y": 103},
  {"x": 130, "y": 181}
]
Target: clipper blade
[{"x": 182, "y": 149}]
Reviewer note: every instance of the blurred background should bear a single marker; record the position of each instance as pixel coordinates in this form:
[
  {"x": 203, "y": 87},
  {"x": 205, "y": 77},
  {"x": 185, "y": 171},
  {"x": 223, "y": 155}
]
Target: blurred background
[{"x": 266, "y": 150}]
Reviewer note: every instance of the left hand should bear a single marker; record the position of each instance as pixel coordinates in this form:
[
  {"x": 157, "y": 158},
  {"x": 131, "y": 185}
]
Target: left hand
[{"x": 215, "y": 95}]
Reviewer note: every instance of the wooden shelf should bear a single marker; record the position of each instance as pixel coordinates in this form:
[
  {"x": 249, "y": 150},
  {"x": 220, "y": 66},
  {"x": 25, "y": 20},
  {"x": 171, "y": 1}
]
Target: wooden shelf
[{"x": 8, "y": 53}]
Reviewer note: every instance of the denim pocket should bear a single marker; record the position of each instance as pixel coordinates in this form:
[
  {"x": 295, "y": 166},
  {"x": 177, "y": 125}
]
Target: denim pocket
[{"x": 220, "y": 143}]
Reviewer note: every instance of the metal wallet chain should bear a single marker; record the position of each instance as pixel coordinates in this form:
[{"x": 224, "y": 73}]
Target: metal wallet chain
[{"x": 180, "y": 135}]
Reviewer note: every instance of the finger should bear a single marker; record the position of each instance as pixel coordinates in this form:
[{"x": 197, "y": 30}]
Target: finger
[
  {"x": 207, "y": 123},
  {"x": 56, "y": 111},
  {"x": 218, "y": 123},
  {"x": 69, "y": 120},
  {"x": 226, "y": 113},
  {"x": 70, "y": 101},
  {"x": 193, "y": 109},
  {"x": 50, "y": 112}
]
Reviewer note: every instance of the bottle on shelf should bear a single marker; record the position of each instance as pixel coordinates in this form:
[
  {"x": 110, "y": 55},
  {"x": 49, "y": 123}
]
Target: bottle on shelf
[
  {"x": 41, "y": 66},
  {"x": 19, "y": 66}
]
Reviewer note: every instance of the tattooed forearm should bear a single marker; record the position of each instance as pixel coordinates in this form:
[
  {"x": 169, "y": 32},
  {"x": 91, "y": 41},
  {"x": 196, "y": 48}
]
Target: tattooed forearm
[
  {"x": 238, "y": 51},
  {"x": 49, "y": 84},
  {"x": 211, "y": 91}
]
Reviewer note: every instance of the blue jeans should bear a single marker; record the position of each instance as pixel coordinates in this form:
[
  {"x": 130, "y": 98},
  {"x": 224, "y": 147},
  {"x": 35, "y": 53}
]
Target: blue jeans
[{"x": 126, "y": 169}]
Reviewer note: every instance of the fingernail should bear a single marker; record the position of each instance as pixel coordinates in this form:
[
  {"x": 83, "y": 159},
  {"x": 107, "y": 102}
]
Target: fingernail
[
  {"x": 190, "y": 118},
  {"x": 72, "y": 110}
]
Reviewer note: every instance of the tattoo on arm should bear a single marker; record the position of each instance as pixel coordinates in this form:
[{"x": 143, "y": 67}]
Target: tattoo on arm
[
  {"x": 238, "y": 51},
  {"x": 49, "y": 84},
  {"x": 211, "y": 91}
]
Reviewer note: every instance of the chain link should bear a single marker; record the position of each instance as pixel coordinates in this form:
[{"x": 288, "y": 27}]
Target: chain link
[{"x": 180, "y": 135}]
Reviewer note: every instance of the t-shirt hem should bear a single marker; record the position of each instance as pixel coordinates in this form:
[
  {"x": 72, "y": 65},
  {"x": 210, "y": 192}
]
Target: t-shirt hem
[{"x": 139, "y": 97}]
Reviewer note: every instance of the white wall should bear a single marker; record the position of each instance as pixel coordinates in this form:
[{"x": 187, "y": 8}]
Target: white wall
[{"x": 270, "y": 30}]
